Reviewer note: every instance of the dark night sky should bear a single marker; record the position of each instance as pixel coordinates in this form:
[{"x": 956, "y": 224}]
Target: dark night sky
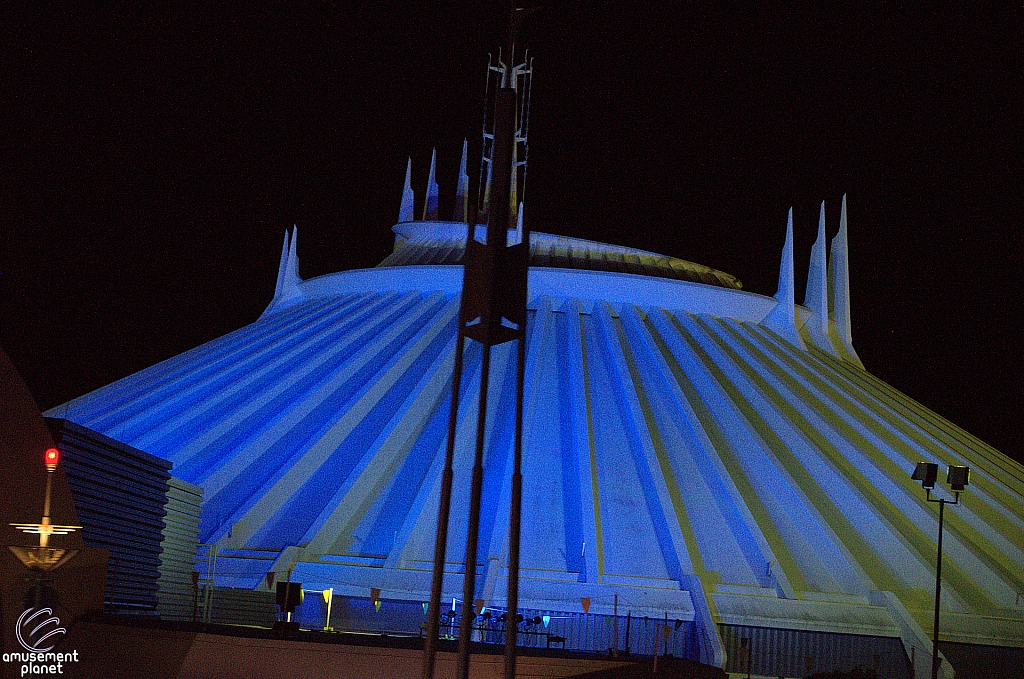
[{"x": 150, "y": 162}]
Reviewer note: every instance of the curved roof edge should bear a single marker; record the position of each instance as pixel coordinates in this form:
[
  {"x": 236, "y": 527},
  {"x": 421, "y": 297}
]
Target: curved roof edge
[
  {"x": 436, "y": 242},
  {"x": 581, "y": 285}
]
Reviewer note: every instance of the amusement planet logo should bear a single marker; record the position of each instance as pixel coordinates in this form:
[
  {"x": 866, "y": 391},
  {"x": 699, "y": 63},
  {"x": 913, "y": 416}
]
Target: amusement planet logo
[{"x": 38, "y": 631}]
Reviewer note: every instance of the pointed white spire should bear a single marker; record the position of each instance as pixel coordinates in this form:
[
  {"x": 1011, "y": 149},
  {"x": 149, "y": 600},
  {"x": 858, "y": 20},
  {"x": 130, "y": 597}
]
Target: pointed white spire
[
  {"x": 462, "y": 190},
  {"x": 405, "y": 212},
  {"x": 782, "y": 318},
  {"x": 839, "y": 273},
  {"x": 281, "y": 266},
  {"x": 430, "y": 204},
  {"x": 816, "y": 298},
  {"x": 839, "y": 290},
  {"x": 287, "y": 291},
  {"x": 290, "y": 280}
]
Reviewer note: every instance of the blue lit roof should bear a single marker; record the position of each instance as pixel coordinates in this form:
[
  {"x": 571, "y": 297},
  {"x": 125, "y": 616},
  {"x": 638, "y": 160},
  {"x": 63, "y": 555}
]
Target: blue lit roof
[{"x": 685, "y": 448}]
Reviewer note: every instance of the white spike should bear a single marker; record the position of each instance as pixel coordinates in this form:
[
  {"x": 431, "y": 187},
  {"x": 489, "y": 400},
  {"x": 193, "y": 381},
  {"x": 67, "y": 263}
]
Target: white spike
[
  {"x": 816, "y": 298},
  {"x": 839, "y": 302},
  {"x": 782, "y": 318},
  {"x": 281, "y": 266},
  {"x": 405, "y": 213},
  {"x": 287, "y": 291},
  {"x": 291, "y": 278},
  {"x": 839, "y": 290},
  {"x": 430, "y": 204},
  {"x": 462, "y": 190}
]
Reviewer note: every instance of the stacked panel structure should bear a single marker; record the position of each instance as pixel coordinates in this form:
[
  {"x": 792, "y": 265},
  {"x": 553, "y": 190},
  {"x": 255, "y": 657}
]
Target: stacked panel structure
[
  {"x": 177, "y": 597},
  {"x": 119, "y": 494}
]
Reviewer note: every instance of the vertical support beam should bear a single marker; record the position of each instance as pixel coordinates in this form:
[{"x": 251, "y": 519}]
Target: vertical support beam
[
  {"x": 443, "y": 512},
  {"x": 501, "y": 168},
  {"x": 473, "y": 530},
  {"x": 515, "y": 517}
]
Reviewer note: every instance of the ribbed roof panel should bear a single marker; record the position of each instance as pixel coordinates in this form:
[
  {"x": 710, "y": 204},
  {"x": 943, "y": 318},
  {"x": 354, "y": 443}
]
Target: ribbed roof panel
[
  {"x": 686, "y": 461},
  {"x": 440, "y": 243}
]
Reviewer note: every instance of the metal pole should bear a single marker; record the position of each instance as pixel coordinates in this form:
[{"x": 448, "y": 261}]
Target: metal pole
[
  {"x": 515, "y": 513},
  {"x": 44, "y": 535},
  {"x": 629, "y": 620},
  {"x": 615, "y": 627},
  {"x": 938, "y": 595},
  {"x": 46, "y": 498},
  {"x": 475, "y": 495},
  {"x": 443, "y": 511},
  {"x": 657, "y": 631}
]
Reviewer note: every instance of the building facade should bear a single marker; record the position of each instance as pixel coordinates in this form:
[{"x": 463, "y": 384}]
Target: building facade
[{"x": 693, "y": 453}]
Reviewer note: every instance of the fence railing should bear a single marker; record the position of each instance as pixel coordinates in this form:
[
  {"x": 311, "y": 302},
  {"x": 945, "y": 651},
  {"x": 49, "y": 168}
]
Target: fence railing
[{"x": 588, "y": 632}]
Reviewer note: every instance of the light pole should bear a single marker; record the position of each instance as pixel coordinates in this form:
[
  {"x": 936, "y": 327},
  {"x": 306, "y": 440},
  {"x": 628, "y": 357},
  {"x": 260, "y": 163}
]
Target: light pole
[
  {"x": 45, "y": 558},
  {"x": 957, "y": 477}
]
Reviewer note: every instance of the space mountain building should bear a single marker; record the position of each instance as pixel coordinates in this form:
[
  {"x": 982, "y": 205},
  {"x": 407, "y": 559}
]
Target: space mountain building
[{"x": 692, "y": 452}]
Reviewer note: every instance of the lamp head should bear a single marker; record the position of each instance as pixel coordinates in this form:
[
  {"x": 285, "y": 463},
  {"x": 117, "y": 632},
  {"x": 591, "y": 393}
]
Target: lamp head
[
  {"x": 926, "y": 473},
  {"x": 52, "y": 458},
  {"x": 958, "y": 476}
]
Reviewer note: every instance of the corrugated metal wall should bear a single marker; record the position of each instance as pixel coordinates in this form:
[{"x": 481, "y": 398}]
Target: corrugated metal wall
[
  {"x": 176, "y": 596},
  {"x": 119, "y": 494},
  {"x": 798, "y": 653}
]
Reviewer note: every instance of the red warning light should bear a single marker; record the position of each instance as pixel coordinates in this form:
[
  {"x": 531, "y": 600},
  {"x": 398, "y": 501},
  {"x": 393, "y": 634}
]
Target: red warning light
[{"x": 52, "y": 457}]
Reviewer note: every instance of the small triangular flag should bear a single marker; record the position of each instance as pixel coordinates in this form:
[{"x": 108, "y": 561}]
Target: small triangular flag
[
  {"x": 426, "y": 607},
  {"x": 586, "y": 604},
  {"x": 376, "y": 605}
]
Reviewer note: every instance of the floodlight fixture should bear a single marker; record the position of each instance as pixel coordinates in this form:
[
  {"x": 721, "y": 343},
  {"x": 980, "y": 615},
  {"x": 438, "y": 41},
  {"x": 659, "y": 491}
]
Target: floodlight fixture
[
  {"x": 958, "y": 476},
  {"x": 926, "y": 473}
]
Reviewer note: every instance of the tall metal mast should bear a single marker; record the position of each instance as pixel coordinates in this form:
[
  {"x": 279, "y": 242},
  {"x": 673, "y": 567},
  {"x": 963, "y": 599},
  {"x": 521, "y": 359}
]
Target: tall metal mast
[{"x": 492, "y": 312}]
